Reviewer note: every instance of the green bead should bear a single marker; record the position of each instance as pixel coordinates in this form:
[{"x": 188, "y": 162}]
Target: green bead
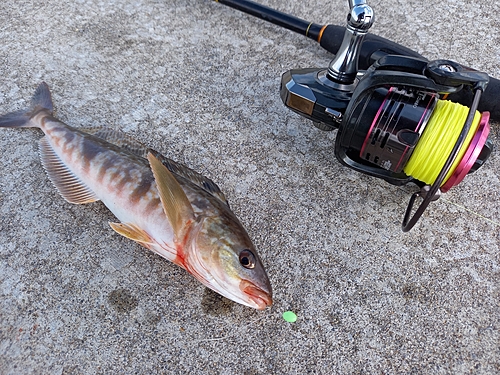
[{"x": 290, "y": 316}]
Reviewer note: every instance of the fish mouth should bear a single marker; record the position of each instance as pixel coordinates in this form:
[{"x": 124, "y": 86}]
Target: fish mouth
[{"x": 258, "y": 296}]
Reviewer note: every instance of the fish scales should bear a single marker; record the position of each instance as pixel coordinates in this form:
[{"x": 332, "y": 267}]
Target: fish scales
[{"x": 160, "y": 204}]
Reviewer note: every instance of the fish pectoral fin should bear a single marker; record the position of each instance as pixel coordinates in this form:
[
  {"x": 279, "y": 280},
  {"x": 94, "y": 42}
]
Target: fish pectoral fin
[
  {"x": 132, "y": 232},
  {"x": 71, "y": 188},
  {"x": 175, "y": 203},
  {"x": 196, "y": 178}
]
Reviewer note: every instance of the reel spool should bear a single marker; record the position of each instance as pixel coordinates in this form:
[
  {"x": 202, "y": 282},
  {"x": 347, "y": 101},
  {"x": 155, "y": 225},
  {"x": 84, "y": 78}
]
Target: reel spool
[{"x": 399, "y": 127}]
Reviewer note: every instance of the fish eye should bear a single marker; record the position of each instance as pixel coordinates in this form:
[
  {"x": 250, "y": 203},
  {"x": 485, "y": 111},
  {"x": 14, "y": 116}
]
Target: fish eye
[{"x": 247, "y": 259}]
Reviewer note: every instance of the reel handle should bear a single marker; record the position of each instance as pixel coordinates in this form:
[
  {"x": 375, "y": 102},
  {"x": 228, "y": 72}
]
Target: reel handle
[{"x": 344, "y": 67}]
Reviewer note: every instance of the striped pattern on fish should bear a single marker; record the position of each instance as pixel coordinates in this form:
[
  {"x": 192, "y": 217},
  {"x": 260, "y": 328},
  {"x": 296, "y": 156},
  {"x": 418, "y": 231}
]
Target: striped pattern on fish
[{"x": 163, "y": 205}]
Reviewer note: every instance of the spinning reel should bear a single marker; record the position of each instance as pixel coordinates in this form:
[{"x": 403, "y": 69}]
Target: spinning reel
[{"x": 393, "y": 119}]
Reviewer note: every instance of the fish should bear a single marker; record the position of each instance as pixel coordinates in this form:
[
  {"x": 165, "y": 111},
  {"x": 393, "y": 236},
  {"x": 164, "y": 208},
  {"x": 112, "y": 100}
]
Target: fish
[{"x": 163, "y": 205}]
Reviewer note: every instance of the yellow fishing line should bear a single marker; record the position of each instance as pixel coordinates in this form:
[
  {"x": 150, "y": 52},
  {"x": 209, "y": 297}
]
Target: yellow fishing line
[{"x": 438, "y": 140}]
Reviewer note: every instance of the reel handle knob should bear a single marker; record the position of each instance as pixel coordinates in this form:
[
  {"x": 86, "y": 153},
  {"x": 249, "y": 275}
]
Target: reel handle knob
[{"x": 344, "y": 67}]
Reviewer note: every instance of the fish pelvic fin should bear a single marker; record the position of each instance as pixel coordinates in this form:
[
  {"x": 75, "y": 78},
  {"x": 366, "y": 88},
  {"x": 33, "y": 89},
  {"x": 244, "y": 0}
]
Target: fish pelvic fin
[
  {"x": 71, "y": 188},
  {"x": 132, "y": 232},
  {"x": 175, "y": 203},
  {"x": 41, "y": 101}
]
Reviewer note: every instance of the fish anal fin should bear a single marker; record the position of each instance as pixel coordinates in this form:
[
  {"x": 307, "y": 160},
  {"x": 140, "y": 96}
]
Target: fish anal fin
[
  {"x": 71, "y": 188},
  {"x": 132, "y": 232},
  {"x": 175, "y": 203}
]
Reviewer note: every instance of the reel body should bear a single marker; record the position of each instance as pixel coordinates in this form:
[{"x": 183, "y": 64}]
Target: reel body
[{"x": 395, "y": 115}]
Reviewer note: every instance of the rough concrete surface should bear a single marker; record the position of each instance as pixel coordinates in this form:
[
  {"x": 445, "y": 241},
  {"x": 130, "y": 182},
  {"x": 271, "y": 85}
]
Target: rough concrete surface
[{"x": 200, "y": 82}]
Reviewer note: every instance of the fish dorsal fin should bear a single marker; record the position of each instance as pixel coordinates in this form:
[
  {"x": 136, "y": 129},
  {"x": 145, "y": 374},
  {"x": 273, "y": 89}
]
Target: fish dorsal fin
[
  {"x": 128, "y": 143},
  {"x": 69, "y": 186},
  {"x": 175, "y": 203},
  {"x": 119, "y": 139},
  {"x": 181, "y": 170}
]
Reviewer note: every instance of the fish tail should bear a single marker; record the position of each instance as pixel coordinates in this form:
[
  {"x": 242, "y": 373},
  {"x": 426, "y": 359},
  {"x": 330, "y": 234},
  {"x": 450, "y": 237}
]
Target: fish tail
[{"x": 40, "y": 102}]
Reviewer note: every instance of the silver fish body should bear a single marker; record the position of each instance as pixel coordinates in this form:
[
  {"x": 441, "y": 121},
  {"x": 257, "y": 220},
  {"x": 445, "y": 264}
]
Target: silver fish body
[{"x": 164, "y": 206}]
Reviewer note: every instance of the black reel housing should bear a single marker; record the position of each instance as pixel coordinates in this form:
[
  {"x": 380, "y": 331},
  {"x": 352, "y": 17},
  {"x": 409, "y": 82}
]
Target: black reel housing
[
  {"x": 382, "y": 113},
  {"x": 408, "y": 89},
  {"x": 409, "y": 86}
]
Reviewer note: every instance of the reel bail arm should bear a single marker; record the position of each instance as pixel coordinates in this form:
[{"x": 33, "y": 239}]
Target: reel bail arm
[{"x": 433, "y": 193}]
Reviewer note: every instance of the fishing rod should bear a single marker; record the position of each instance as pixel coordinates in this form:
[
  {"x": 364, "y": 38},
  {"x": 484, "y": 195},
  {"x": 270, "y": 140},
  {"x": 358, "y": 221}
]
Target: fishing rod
[
  {"x": 374, "y": 47},
  {"x": 398, "y": 116},
  {"x": 328, "y": 36}
]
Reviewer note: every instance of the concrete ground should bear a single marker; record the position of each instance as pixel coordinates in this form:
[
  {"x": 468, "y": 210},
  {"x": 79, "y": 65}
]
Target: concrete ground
[{"x": 200, "y": 82}]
